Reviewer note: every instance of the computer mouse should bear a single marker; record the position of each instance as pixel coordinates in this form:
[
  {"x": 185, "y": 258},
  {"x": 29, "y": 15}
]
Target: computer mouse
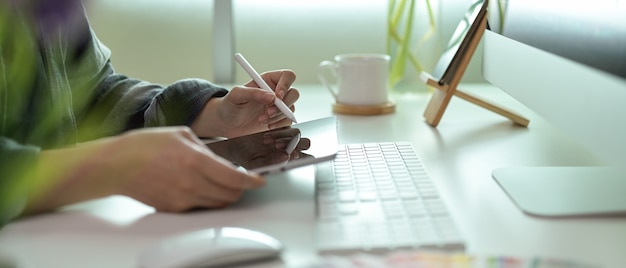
[{"x": 214, "y": 247}]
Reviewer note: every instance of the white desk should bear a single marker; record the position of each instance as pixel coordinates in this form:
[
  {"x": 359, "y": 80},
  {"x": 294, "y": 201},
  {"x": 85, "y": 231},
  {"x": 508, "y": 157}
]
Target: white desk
[{"x": 459, "y": 155}]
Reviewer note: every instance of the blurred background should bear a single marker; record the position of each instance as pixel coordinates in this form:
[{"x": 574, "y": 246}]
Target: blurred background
[{"x": 165, "y": 40}]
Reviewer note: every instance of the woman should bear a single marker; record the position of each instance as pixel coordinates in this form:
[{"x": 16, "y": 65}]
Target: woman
[{"x": 70, "y": 126}]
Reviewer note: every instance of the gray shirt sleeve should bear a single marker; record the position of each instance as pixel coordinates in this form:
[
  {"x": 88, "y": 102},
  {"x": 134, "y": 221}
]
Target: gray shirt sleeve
[
  {"x": 14, "y": 159},
  {"x": 118, "y": 103},
  {"x": 122, "y": 103},
  {"x": 103, "y": 103}
]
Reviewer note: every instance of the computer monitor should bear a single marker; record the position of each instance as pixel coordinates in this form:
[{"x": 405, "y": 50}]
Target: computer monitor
[{"x": 566, "y": 61}]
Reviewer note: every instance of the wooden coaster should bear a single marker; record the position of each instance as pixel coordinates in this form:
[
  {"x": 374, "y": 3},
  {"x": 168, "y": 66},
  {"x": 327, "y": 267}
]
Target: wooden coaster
[{"x": 386, "y": 108}]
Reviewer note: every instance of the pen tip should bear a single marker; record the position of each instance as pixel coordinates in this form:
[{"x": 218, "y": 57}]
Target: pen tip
[{"x": 292, "y": 118}]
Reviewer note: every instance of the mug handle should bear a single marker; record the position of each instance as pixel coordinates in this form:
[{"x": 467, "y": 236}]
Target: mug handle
[{"x": 332, "y": 66}]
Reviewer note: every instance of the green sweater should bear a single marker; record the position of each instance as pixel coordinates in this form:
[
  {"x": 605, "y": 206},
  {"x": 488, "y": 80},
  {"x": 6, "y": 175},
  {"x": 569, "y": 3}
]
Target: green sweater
[{"x": 58, "y": 88}]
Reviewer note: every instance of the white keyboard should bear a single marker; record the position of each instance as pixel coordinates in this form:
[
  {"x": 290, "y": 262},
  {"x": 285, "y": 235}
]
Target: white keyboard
[{"x": 377, "y": 197}]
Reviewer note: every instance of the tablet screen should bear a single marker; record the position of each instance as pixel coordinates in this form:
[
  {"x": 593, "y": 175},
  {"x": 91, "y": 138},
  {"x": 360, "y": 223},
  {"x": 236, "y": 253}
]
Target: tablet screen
[{"x": 281, "y": 149}]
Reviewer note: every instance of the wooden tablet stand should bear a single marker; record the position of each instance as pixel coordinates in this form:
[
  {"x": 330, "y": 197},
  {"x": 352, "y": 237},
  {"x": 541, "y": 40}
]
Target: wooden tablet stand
[{"x": 445, "y": 90}]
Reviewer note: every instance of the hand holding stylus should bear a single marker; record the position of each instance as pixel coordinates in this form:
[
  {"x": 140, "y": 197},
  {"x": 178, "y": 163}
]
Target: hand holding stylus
[{"x": 261, "y": 83}]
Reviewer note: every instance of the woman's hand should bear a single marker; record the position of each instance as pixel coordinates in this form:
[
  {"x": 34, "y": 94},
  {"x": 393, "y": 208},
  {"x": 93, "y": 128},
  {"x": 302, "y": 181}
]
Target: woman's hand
[
  {"x": 167, "y": 168},
  {"x": 248, "y": 109}
]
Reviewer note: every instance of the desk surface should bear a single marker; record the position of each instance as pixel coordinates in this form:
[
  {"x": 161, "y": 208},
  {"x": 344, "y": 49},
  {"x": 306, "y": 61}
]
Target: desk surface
[{"x": 459, "y": 155}]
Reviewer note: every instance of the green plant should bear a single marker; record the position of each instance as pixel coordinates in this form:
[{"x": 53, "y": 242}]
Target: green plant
[{"x": 400, "y": 23}]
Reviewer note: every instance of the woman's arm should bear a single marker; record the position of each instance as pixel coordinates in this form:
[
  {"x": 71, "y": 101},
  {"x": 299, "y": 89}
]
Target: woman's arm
[{"x": 167, "y": 168}]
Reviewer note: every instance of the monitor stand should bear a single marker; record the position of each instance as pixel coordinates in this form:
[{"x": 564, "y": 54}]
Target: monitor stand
[{"x": 565, "y": 191}]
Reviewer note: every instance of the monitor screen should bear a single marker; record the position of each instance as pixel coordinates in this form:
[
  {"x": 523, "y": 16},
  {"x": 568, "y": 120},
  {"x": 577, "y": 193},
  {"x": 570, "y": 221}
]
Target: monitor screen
[
  {"x": 569, "y": 54},
  {"x": 589, "y": 32},
  {"x": 566, "y": 61}
]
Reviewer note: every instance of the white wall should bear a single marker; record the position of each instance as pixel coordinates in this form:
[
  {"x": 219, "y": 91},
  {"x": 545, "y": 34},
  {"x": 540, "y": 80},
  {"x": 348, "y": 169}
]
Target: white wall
[
  {"x": 299, "y": 34},
  {"x": 156, "y": 40},
  {"x": 164, "y": 40}
]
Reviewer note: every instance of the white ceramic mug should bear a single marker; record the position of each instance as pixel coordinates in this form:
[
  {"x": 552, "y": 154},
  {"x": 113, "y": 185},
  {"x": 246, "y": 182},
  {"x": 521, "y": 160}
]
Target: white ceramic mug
[{"x": 358, "y": 79}]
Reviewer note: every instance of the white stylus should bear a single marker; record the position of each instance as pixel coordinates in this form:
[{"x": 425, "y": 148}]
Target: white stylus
[
  {"x": 293, "y": 143},
  {"x": 259, "y": 81}
]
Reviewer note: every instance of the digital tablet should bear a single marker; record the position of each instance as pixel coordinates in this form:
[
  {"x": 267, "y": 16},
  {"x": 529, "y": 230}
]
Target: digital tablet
[
  {"x": 450, "y": 60},
  {"x": 282, "y": 149}
]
